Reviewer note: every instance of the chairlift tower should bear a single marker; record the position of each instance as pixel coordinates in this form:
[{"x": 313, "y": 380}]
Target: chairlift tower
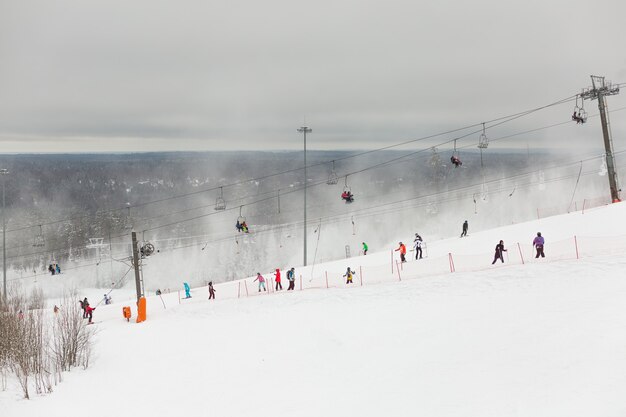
[
  {"x": 304, "y": 130},
  {"x": 599, "y": 90}
]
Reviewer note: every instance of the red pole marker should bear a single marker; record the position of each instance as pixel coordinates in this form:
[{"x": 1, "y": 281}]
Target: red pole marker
[{"x": 452, "y": 268}]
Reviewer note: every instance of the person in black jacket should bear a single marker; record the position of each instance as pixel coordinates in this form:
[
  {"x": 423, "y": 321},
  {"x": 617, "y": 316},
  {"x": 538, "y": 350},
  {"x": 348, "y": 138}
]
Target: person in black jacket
[
  {"x": 499, "y": 252},
  {"x": 465, "y": 227}
]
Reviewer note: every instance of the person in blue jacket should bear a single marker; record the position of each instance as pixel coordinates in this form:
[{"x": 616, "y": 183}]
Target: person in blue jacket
[{"x": 187, "y": 290}]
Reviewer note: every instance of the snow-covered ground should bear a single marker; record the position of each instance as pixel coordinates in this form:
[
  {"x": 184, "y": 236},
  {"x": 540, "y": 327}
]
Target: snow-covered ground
[{"x": 531, "y": 337}]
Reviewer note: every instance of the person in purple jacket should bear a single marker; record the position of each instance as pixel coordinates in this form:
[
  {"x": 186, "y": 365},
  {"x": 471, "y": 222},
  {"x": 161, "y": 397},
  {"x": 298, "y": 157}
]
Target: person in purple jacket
[{"x": 538, "y": 244}]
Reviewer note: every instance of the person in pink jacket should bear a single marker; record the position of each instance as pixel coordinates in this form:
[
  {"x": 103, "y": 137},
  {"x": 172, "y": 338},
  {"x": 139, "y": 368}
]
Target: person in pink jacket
[
  {"x": 277, "y": 279},
  {"x": 261, "y": 280}
]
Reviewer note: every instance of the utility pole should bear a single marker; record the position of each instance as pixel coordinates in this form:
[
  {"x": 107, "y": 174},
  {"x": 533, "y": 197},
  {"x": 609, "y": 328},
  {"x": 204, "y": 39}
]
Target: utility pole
[
  {"x": 304, "y": 130},
  {"x": 4, "y": 172},
  {"x": 599, "y": 90},
  {"x": 136, "y": 260}
]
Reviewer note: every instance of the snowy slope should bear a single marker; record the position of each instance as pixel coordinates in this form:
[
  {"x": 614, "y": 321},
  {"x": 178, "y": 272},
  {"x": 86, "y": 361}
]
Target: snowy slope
[{"x": 543, "y": 338}]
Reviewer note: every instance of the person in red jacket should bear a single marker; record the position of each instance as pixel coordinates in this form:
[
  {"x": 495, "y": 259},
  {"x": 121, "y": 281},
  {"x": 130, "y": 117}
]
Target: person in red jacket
[
  {"x": 402, "y": 250},
  {"x": 89, "y": 311},
  {"x": 277, "y": 279}
]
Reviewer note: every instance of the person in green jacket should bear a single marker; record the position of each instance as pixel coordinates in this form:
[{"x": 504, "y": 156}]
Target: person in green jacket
[{"x": 365, "y": 248}]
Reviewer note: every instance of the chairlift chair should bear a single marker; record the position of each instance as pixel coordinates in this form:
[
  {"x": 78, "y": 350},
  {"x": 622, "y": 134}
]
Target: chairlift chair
[
  {"x": 332, "y": 177},
  {"x": 38, "y": 240},
  {"x": 220, "y": 204},
  {"x": 483, "y": 141}
]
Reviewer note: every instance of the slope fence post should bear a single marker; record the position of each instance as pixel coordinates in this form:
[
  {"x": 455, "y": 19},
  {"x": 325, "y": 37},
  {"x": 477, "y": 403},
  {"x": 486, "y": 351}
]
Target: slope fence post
[
  {"x": 576, "y": 244},
  {"x": 520, "y": 252},
  {"x": 239, "y": 290},
  {"x": 361, "y": 274},
  {"x": 398, "y": 269},
  {"x": 326, "y": 279},
  {"x": 452, "y": 268},
  {"x": 245, "y": 284}
]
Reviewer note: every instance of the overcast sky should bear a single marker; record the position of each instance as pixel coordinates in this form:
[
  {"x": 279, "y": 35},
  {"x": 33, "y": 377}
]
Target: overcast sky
[{"x": 150, "y": 75}]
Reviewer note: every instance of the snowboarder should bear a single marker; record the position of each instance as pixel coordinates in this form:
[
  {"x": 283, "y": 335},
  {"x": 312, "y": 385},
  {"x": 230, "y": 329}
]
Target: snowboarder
[
  {"x": 538, "y": 244},
  {"x": 261, "y": 280},
  {"x": 291, "y": 277},
  {"x": 365, "y": 248},
  {"x": 89, "y": 311},
  {"x": 402, "y": 250},
  {"x": 187, "y": 290},
  {"x": 465, "y": 227},
  {"x": 277, "y": 279},
  {"x": 417, "y": 245},
  {"x": 499, "y": 252},
  {"x": 211, "y": 290},
  {"x": 349, "y": 273}
]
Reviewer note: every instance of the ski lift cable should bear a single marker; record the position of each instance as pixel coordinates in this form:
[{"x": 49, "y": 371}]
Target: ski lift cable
[
  {"x": 503, "y": 119},
  {"x": 395, "y": 160}
]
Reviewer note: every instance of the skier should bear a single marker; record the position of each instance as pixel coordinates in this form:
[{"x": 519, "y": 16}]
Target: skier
[
  {"x": 402, "y": 250},
  {"x": 89, "y": 311},
  {"x": 158, "y": 291},
  {"x": 51, "y": 269},
  {"x": 187, "y": 290},
  {"x": 261, "y": 280},
  {"x": 349, "y": 273},
  {"x": 347, "y": 196},
  {"x": 499, "y": 252},
  {"x": 465, "y": 227},
  {"x": 56, "y": 309},
  {"x": 211, "y": 290},
  {"x": 85, "y": 304},
  {"x": 239, "y": 227},
  {"x": 456, "y": 161},
  {"x": 291, "y": 277},
  {"x": 20, "y": 315},
  {"x": 107, "y": 299},
  {"x": 277, "y": 279},
  {"x": 417, "y": 245},
  {"x": 365, "y": 248},
  {"x": 58, "y": 269},
  {"x": 538, "y": 244},
  {"x": 244, "y": 227}
]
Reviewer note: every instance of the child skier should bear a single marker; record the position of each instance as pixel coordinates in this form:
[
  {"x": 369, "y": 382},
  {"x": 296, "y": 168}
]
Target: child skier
[
  {"x": 349, "y": 273},
  {"x": 277, "y": 279},
  {"x": 211, "y": 290},
  {"x": 291, "y": 277},
  {"x": 89, "y": 311},
  {"x": 261, "y": 280},
  {"x": 402, "y": 250},
  {"x": 499, "y": 252},
  {"x": 538, "y": 244}
]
